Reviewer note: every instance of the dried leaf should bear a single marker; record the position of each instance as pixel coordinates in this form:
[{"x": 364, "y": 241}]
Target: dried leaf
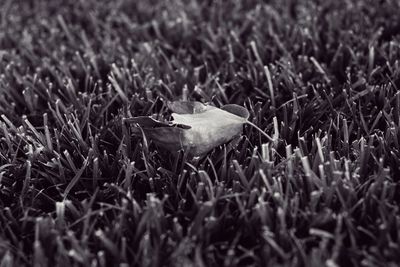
[{"x": 196, "y": 127}]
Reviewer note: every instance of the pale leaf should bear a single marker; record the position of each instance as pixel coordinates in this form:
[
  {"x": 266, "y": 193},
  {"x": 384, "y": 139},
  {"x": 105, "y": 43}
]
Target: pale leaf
[{"x": 195, "y": 127}]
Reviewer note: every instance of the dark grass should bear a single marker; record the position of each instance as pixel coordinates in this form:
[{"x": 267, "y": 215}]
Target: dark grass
[{"x": 77, "y": 190}]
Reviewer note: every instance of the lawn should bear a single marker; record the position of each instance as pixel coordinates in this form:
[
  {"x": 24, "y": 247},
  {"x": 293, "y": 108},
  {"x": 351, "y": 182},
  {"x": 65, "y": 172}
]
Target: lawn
[{"x": 78, "y": 188}]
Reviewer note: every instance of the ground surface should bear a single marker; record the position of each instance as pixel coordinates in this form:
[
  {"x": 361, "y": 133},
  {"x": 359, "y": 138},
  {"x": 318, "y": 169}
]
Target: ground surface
[{"x": 77, "y": 190}]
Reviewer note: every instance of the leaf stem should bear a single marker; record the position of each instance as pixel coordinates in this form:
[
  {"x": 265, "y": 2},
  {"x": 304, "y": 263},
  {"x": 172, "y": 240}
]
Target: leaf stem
[{"x": 260, "y": 130}]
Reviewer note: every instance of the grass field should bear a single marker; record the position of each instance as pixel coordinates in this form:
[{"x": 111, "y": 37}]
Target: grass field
[{"x": 321, "y": 77}]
